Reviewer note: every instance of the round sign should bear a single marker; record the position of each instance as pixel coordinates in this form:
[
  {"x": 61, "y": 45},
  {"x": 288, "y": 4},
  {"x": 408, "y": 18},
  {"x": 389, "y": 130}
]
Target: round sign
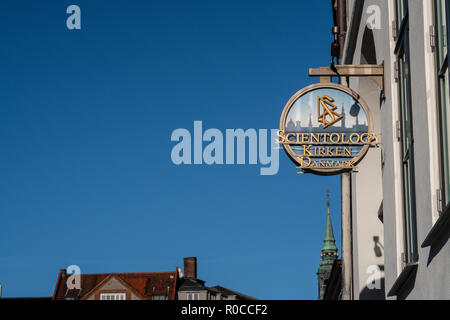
[{"x": 326, "y": 129}]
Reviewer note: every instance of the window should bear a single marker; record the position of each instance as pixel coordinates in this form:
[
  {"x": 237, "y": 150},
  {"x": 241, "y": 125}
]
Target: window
[
  {"x": 159, "y": 298},
  {"x": 401, "y": 10},
  {"x": 406, "y": 133},
  {"x": 441, "y": 29},
  {"x": 193, "y": 296},
  {"x": 211, "y": 296},
  {"x": 112, "y": 296}
]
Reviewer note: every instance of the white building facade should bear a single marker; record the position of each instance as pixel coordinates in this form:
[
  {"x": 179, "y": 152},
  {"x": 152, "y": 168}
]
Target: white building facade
[{"x": 400, "y": 198}]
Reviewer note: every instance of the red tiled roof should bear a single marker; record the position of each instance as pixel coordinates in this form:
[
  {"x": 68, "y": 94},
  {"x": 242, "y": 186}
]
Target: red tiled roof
[{"x": 145, "y": 284}]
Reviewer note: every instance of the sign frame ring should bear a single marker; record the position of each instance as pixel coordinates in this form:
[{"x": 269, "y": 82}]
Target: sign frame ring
[{"x": 294, "y": 157}]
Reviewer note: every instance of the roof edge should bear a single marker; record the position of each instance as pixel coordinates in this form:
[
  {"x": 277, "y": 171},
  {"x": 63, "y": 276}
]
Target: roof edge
[{"x": 58, "y": 283}]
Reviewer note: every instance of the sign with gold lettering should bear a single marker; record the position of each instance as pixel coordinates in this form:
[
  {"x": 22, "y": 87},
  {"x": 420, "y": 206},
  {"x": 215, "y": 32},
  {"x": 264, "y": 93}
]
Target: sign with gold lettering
[{"x": 326, "y": 129}]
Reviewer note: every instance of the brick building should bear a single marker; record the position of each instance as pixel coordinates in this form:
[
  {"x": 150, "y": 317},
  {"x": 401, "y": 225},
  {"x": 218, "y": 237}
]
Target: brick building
[{"x": 171, "y": 285}]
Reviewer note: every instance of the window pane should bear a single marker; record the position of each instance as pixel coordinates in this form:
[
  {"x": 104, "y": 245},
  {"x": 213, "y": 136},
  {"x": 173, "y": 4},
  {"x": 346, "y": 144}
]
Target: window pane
[
  {"x": 404, "y": 102},
  {"x": 400, "y": 12},
  {"x": 113, "y": 296},
  {"x": 444, "y": 103},
  {"x": 408, "y": 209},
  {"x": 445, "y": 123},
  {"x": 441, "y": 25},
  {"x": 407, "y": 156}
]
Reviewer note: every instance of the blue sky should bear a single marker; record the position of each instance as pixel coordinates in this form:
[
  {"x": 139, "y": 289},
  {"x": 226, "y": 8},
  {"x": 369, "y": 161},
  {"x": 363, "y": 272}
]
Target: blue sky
[{"x": 86, "y": 116}]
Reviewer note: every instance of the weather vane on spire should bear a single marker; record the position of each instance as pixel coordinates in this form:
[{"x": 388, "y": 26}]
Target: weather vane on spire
[{"x": 328, "y": 200}]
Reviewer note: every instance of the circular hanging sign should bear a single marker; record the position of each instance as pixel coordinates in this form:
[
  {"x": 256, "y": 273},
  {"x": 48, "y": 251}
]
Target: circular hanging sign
[{"x": 326, "y": 129}]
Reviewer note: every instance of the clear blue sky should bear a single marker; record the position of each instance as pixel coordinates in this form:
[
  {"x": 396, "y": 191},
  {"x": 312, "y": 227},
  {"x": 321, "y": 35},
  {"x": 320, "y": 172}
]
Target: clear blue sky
[{"x": 86, "y": 117}]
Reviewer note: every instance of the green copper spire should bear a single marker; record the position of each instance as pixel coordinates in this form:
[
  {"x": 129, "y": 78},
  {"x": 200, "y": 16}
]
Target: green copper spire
[
  {"x": 329, "y": 252},
  {"x": 329, "y": 243}
]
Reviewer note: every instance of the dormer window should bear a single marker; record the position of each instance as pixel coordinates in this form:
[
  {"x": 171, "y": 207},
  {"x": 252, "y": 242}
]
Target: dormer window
[
  {"x": 193, "y": 296},
  {"x": 112, "y": 296}
]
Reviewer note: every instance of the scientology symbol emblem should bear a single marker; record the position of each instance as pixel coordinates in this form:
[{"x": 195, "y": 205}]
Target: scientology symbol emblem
[
  {"x": 328, "y": 111},
  {"x": 326, "y": 129}
]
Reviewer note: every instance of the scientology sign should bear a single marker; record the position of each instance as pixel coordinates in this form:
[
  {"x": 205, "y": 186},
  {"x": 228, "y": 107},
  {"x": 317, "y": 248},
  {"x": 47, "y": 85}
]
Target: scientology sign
[{"x": 326, "y": 129}]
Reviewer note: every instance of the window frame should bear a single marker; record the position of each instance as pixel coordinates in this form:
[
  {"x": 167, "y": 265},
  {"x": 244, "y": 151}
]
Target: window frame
[
  {"x": 114, "y": 294},
  {"x": 410, "y": 250},
  {"x": 443, "y": 94},
  {"x": 193, "y": 293},
  {"x": 399, "y": 16}
]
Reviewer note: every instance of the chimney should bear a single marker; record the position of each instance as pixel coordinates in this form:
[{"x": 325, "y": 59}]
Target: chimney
[{"x": 190, "y": 267}]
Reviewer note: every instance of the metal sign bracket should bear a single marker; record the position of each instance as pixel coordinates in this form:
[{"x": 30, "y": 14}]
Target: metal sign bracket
[{"x": 372, "y": 71}]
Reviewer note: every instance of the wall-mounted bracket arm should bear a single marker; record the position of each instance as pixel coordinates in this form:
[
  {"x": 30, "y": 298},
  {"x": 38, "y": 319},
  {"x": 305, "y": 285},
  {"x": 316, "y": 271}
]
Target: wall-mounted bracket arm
[{"x": 374, "y": 72}]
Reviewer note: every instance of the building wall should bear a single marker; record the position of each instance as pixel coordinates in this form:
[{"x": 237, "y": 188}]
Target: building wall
[
  {"x": 368, "y": 238},
  {"x": 391, "y": 168},
  {"x": 433, "y": 276},
  {"x": 379, "y": 176},
  {"x": 367, "y": 228}
]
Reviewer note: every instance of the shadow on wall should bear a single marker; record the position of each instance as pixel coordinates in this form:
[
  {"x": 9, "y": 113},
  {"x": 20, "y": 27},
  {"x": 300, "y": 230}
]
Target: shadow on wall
[
  {"x": 377, "y": 247},
  {"x": 373, "y": 294},
  {"x": 439, "y": 243},
  {"x": 408, "y": 286},
  {"x": 368, "y": 52}
]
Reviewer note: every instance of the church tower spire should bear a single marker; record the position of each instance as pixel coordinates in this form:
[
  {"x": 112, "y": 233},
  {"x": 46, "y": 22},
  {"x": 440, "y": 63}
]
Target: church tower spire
[
  {"x": 343, "y": 116},
  {"x": 328, "y": 252}
]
